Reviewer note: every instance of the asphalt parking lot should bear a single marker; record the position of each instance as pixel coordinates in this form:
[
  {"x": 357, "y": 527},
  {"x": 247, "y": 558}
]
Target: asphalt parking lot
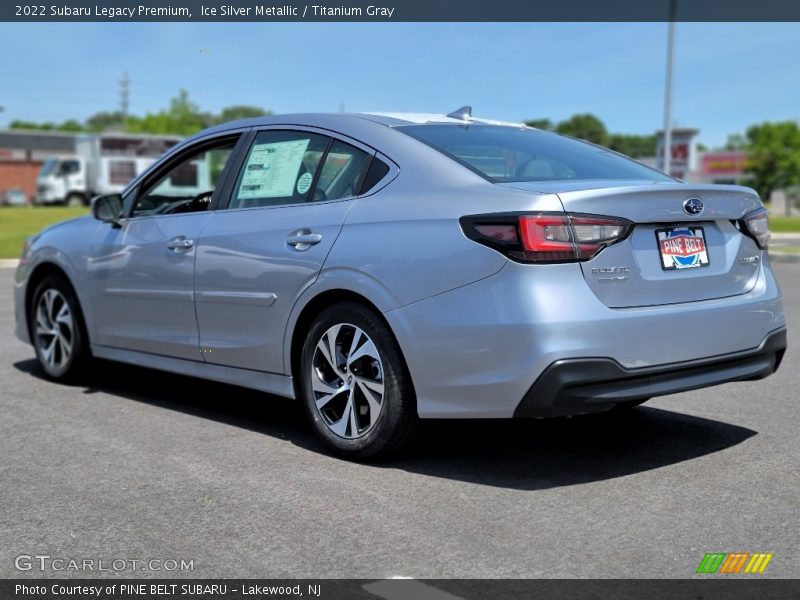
[{"x": 136, "y": 464}]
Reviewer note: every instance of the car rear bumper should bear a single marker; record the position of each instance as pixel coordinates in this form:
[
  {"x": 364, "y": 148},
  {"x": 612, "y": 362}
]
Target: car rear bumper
[
  {"x": 476, "y": 351},
  {"x": 584, "y": 385}
]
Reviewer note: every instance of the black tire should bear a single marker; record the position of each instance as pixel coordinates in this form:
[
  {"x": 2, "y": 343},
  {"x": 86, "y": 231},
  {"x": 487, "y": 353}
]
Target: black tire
[
  {"x": 58, "y": 365},
  {"x": 76, "y": 199},
  {"x": 395, "y": 425}
]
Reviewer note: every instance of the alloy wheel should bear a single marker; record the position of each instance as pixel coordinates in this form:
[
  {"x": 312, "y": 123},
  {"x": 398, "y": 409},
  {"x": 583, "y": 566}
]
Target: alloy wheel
[
  {"x": 347, "y": 381},
  {"x": 54, "y": 328}
]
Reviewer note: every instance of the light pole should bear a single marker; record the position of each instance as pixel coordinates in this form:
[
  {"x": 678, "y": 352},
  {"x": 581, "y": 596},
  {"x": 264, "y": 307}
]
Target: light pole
[{"x": 667, "y": 145}]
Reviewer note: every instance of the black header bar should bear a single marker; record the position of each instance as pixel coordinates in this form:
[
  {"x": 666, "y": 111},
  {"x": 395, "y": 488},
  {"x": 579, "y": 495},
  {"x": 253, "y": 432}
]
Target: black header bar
[{"x": 400, "y": 11}]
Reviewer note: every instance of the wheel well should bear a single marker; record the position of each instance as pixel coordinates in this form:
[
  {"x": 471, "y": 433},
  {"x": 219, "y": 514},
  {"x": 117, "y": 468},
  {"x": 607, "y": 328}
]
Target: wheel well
[
  {"x": 40, "y": 272},
  {"x": 306, "y": 318}
]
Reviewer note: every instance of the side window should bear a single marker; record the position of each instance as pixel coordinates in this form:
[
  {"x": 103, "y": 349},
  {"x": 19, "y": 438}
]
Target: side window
[
  {"x": 377, "y": 171},
  {"x": 279, "y": 169},
  {"x": 69, "y": 167},
  {"x": 188, "y": 185},
  {"x": 342, "y": 172}
]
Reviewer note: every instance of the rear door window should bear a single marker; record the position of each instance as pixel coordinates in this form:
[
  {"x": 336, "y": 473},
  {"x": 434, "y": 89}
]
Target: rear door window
[
  {"x": 280, "y": 168},
  {"x": 292, "y": 167}
]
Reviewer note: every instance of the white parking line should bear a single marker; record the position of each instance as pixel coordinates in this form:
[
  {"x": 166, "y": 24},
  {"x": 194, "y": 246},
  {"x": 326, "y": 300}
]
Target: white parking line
[{"x": 8, "y": 263}]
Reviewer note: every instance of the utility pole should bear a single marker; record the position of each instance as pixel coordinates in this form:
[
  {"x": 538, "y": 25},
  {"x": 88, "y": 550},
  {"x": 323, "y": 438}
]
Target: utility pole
[
  {"x": 667, "y": 145},
  {"x": 124, "y": 95}
]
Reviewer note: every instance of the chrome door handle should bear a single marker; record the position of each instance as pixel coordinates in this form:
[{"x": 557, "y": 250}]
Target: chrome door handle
[
  {"x": 303, "y": 240},
  {"x": 180, "y": 243}
]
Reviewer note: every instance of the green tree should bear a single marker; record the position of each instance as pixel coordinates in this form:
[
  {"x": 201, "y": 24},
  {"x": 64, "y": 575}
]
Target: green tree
[
  {"x": 105, "y": 120},
  {"x": 736, "y": 141},
  {"x": 183, "y": 117},
  {"x": 21, "y": 124},
  {"x": 71, "y": 125},
  {"x": 585, "y": 127},
  {"x": 773, "y": 156},
  {"x": 68, "y": 125},
  {"x": 545, "y": 124},
  {"x": 240, "y": 111},
  {"x": 631, "y": 145}
]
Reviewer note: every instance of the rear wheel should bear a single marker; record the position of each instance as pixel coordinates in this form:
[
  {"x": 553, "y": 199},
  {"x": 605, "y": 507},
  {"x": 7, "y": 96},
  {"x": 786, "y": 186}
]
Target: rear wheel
[
  {"x": 355, "y": 387},
  {"x": 57, "y": 330}
]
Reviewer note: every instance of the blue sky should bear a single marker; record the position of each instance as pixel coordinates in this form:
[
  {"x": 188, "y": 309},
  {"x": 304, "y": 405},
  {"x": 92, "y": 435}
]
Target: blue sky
[{"x": 727, "y": 75}]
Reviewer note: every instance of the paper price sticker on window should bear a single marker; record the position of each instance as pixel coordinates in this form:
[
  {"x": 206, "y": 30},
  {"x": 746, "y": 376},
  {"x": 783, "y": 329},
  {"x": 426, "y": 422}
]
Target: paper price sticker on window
[{"x": 271, "y": 169}]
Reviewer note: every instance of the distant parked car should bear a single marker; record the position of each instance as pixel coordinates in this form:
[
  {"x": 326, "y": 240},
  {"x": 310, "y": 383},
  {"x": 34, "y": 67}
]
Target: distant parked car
[
  {"x": 13, "y": 197},
  {"x": 382, "y": 268}
]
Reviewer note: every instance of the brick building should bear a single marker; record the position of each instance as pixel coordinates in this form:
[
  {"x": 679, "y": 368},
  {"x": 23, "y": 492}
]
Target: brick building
[{"x": 22, "y": 154}]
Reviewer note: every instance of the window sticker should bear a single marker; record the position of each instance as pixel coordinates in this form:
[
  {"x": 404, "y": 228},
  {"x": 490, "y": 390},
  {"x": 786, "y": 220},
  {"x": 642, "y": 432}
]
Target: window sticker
[
  {"x": 272, "y": 169},
  {"x": 303, "y": 183}
]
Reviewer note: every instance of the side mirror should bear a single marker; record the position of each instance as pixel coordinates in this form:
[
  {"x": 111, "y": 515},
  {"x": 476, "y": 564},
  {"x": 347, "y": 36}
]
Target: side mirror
[{"x": 108, "y": 208}]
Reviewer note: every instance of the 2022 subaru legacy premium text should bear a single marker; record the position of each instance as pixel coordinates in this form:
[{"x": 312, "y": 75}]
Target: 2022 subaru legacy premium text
[{"x": 387, "y": 267}]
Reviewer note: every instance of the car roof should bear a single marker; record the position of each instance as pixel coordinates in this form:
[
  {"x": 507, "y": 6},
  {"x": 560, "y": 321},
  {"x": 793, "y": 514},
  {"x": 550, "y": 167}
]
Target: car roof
[{"x": 339, "y": 120}]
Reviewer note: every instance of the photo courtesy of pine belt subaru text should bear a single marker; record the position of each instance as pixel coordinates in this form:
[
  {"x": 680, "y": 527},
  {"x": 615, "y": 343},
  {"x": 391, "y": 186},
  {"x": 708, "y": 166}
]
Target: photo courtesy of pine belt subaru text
[{"x": 386, "y": 268}]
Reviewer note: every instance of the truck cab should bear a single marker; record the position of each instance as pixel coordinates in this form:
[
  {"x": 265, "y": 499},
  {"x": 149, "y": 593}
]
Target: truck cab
[{"x": 62, "y": 180}]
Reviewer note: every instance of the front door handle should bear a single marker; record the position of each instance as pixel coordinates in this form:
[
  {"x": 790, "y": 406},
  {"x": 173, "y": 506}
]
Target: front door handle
[
  {"x": 303, "y": 239},
  {"x": 180, "y": 243}
]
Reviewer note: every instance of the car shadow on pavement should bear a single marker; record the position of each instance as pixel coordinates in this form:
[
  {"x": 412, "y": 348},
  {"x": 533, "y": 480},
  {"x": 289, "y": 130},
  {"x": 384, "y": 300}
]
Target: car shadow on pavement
[{"x": 518, "y": 454}]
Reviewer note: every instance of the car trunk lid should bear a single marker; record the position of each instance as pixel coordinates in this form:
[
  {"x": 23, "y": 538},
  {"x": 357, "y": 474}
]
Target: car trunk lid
[{"x": 670, "y": 256}]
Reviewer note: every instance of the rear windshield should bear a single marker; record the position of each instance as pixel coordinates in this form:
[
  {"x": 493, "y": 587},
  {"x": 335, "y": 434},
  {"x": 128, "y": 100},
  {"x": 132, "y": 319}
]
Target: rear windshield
[{"x": 503, "y": 154}]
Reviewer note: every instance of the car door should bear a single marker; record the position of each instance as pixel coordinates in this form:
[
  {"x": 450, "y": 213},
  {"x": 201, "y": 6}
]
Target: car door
[
  {"x": 142, "y": 272},
  {"x": 285, "y": 209}
]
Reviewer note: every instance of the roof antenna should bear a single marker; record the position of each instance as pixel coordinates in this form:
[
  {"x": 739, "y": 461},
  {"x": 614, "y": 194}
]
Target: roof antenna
[{"x": 463, "y": 113}]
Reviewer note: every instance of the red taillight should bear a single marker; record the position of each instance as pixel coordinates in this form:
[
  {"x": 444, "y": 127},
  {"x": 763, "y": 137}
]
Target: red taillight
[
  {"x": 501, "y": 233},
  {"x": 757, "y": 226},
  {"x": 546, "y": 237}
]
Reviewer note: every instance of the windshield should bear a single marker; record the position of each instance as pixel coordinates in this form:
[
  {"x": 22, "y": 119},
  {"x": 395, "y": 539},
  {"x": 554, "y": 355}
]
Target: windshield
[
  {"x": 49, "y": 166},
  {"x": 504, "y": 154}
]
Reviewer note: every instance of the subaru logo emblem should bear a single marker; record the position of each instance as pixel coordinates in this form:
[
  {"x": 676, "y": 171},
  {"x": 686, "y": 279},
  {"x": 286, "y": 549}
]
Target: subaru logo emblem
[{"x": 692, "y": 206}]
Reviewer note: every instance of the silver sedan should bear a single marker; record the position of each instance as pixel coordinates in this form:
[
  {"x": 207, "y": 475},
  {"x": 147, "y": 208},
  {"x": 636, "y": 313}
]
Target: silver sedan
[{"x": 382, "y": 268}]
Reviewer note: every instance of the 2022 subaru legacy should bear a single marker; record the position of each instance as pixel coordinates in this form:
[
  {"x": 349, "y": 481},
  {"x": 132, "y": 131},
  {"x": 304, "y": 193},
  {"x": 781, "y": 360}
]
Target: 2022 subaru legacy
[{"x": 383, "y": 268}]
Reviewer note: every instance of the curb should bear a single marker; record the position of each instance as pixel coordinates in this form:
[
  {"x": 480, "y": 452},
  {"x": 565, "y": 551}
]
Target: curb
[{"x": 8, "y": 263}]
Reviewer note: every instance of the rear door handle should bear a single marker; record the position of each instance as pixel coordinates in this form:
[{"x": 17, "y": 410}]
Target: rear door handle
[
  {"x": 180, "y": 243},
  {"x": 303, "y": 239}
]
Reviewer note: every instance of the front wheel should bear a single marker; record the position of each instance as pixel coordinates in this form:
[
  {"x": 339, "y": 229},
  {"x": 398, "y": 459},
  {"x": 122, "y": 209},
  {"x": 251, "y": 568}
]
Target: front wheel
[
  {"x": 355, "y": 386},
  {"x": 57, "y": 330}
]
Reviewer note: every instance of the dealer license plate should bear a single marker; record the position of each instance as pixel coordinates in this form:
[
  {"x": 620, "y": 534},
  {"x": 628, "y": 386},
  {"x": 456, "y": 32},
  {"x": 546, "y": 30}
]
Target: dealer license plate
[{"x": 682, "y": 247}]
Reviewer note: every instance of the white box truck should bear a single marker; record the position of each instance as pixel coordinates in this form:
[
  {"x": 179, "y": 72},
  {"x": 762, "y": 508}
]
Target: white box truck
[{"x": 102, "y": 164}]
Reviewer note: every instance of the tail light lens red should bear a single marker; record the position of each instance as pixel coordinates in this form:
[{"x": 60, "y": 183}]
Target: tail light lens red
[
  {"x": 546, "y": 237},
  {"x": 756, "y": 226}
]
